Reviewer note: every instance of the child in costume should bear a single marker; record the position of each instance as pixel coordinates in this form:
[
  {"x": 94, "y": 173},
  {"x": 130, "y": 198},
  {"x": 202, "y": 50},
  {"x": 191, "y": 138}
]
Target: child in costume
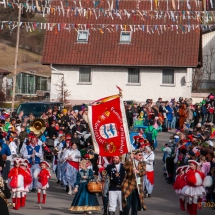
[
  {"x": 42, "y": 183},
  {"x": 179, "y": 185},
  {"x": 16, "y": 182},
  {"x": 194, "y": 189},
  {"x": 27, "y": 181}
]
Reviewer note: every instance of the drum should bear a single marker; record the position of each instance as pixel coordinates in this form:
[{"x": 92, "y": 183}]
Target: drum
[{"x": 94, "y": 187}]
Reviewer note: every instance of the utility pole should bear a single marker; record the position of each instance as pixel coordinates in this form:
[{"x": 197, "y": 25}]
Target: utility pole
[
  {"x": 16, "y": 57},
  {"x": 204, "y": 1}
]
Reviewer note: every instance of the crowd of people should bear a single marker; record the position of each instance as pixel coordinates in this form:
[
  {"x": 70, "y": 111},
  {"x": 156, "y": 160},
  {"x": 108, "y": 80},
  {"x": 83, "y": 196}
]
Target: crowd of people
[{"x": 127, "y": 179}]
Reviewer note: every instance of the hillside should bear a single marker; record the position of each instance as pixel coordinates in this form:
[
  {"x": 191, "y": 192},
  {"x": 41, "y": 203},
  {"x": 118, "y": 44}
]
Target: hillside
[
  {"x": 7, "y": 54},
  {"x": 27, "y": 60}
]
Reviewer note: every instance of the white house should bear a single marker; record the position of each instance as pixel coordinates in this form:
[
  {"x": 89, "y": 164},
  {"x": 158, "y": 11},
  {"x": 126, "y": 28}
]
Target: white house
[
  {"x": 97, "y": 82},
  {"x": 208, "y": 56},
  {"x": 151, "y": 63}
]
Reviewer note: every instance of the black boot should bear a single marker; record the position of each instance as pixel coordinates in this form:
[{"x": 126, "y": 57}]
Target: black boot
[
  {"x": 111, "y": 213},
  {"x": 121, "y": 213},
  {"x": 105, "y": 212}
]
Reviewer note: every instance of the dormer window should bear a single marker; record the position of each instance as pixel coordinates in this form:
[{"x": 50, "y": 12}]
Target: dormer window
[
  {"x": 82, "y": 36},
  {"x": 125, "y": 37}
]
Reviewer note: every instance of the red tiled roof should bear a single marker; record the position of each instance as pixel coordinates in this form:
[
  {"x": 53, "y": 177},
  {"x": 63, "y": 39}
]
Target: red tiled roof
[{"x": 167, "y": 49}]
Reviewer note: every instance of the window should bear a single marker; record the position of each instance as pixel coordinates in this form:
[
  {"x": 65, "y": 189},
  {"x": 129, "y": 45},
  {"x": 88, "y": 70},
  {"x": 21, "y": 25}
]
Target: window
[
  {"x": 125, "y": 37},
  {"x": 41, "y": 83},
  {"x": 84, "y": 75},
  {"x": 168, "y": 76},
  {"x": 83, "y": 36},
  {"x": 133, "y": 75}
]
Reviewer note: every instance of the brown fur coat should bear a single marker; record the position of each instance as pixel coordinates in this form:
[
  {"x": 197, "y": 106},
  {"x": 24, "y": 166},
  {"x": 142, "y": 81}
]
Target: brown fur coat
[{"x": 129, "y": 183}]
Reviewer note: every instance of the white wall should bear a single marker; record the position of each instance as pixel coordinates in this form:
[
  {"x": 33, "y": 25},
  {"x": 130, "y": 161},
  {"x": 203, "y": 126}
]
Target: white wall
[
  {"x": 208, "y": 42},
  {"x": 105, "y": 79}
]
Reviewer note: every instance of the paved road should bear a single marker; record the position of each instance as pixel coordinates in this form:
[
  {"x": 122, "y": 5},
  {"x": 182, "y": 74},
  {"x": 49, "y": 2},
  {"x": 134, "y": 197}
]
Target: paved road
[{"x": 163, "y": 202}]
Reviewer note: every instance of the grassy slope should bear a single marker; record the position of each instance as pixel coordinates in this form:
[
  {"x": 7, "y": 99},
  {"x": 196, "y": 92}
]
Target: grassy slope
[{"x": 7, "y": 54}]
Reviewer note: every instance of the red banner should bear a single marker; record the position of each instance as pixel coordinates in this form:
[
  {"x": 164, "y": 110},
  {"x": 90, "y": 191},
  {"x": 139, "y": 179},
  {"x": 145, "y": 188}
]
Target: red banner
[{"x": 107, "y": 121}]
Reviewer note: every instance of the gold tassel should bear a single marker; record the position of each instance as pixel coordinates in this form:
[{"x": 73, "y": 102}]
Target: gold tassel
[
  {"x": 86, "y": 14},
  {"x": 156, "y": 4}
]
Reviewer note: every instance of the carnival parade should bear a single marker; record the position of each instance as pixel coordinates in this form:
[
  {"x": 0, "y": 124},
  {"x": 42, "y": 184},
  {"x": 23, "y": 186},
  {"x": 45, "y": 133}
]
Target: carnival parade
[
  {"x": 95, "y": 160},
  {"x": 107, "y": 107}
]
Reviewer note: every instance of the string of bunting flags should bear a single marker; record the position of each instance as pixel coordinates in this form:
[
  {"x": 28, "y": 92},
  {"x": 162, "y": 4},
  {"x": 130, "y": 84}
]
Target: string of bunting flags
[
  {"x": 46, "y": 6},
  {"x": 104, "y": 28},
  {"x": 175, "y": 16}
]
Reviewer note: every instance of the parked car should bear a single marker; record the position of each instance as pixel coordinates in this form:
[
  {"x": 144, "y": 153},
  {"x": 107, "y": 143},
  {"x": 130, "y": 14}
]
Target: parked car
[
  {"x": 78, "y": 107},
  {"x": 37, "y": 108},
  {"x": 129, "y": 102}
]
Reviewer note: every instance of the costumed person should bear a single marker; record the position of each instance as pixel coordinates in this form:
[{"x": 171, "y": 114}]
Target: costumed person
[
  {"x": 132, "y": 189},
  {"x": 194, "y": 189},
  {"x": 182, "y": 115},
  {"x": 13, "y": 147},
  {"x": 4, "y": 195},
  {"x": 33, "y": 152},
  {"x": 151, "y": 134},
  {"x": 205, "y": 166},
  {"x": 63, "y": 164},
  {"x": 3, "y": 158},
  {"x": 26, "y": 142},
  {"x": 179, "y": 185},
  {"x": 136, "y": 141},
  {"x": 58, "y": 146},
  {"x": 42, "y": 183},
  {"x": 105, "y": 180},
  {"x": 143, "y": 143},
  {"x": 27, "y": 181},
  {"x": 71, "y": 157},
  {"x": 102, "y": 163},
  {"x": 149, "y": 157},
  {"x": 84, "y": 200},
  {"x": 89, "y": 164},
  {"x": 116, "y": 174},
  {"x": 16, "y": 182}
]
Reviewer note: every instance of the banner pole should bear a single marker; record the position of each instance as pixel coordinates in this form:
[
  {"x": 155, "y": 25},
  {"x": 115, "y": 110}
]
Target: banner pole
[{"x": 138, "y": 189}]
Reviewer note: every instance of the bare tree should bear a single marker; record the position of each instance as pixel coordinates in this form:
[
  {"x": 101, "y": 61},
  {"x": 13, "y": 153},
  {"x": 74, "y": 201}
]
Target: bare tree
[
  {"x": 197, "y": 77},
  {"x": 63, "y": 92},
  {"x": 208, "y": 63}
]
